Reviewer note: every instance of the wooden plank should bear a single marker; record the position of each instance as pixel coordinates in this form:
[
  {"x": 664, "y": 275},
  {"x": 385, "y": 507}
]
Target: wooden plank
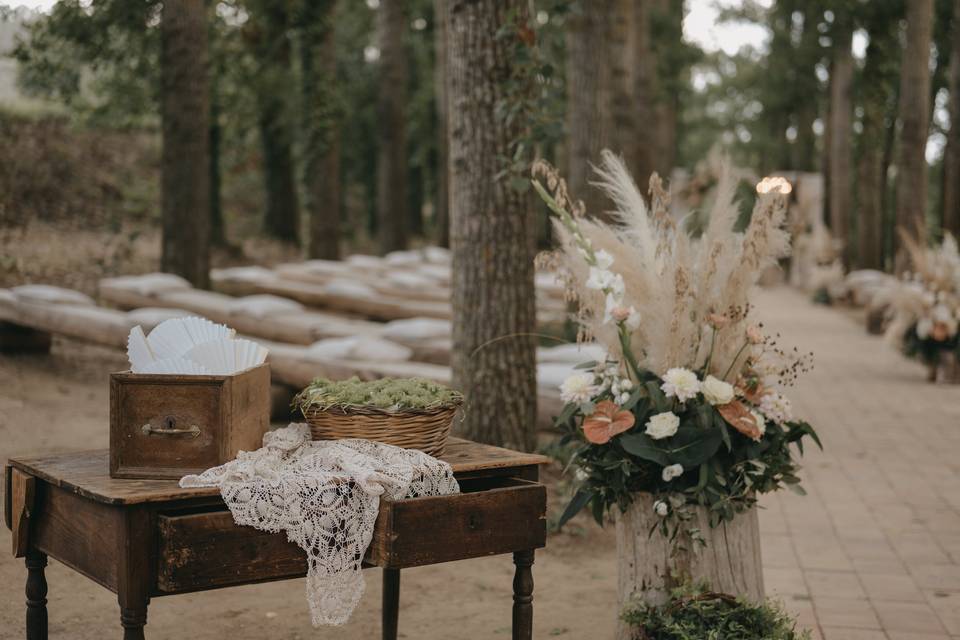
[
  {"x": 87, "y": 473},
  {"x": 421, "y": 531},
  {"x": 7, "y": 502},
  {"x": 208, "y": 550},
  {"x": 23, "y": 488}
]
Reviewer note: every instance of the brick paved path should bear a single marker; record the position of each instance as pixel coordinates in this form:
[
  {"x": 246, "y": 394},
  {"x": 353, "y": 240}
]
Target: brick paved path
[{"x": 873, "y": 552}]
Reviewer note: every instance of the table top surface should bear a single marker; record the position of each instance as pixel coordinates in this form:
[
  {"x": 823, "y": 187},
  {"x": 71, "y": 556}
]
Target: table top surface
[{"x": 87, "y": 473}]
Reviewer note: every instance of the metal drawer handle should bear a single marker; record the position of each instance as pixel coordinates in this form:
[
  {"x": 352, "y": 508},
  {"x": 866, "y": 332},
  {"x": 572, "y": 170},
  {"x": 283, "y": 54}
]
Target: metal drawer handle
[{"x": 169, "y": 430}]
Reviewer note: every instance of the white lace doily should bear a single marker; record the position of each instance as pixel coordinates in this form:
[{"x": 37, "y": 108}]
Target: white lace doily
[{"x": 325, "y": 495}]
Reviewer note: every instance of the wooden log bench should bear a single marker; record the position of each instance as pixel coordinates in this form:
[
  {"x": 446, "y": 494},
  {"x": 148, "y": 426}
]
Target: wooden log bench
[{"x": 143, "y": 539}]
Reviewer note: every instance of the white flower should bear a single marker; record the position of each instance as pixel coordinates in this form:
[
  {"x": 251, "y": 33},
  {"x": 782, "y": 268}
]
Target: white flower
[
  {"x": 924, "y": 328},
  {"x": 776, "y": 406},
  {"x": 604, "y": 280},
  {"x": 680, "y": 383},
  {"x": 578, "y": 388},
  {"x": 604, "y": 259},
  {"x": 626, "y": 384},
  {"x": 761, "y": 424},
  {"x": 942, "y": 314},
  {"x": 624, "y": 397},
  {"x": 662, "y": 425},
  {"x": 633, "y": 319},
  {"x": 671, "y": 472},
  {"x": 661, "y": 508},
  {"x": 716, "y": 391}
]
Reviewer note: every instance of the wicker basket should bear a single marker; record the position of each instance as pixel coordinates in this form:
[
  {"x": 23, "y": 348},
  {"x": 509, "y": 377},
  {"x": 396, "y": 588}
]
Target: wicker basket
[{"x": 423, "y": 429}]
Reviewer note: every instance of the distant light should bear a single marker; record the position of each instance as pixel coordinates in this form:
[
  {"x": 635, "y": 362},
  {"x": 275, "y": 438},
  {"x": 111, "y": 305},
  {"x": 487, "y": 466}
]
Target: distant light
[
  {"x": 419, "y": 24},
  {"x": 774, "y": 184},
  {"x": 371, "y": 53},
  {"x": 373, "y": 4},
  {"x": 543, "y": 17}
]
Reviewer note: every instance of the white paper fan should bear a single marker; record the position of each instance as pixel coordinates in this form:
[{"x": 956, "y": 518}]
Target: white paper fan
[
  {"x": 174, "y": 337},
  {"x": 176, "y": 365},
  {"x": 138, "y": 351},
  {"x": 223, "y": 357}
]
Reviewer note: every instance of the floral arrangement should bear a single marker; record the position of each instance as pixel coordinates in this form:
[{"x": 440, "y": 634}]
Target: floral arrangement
[
  {"x": 925, "y": 303},
  {"x": 686, "y": 404},
  {"x": 693, "y": 612}
]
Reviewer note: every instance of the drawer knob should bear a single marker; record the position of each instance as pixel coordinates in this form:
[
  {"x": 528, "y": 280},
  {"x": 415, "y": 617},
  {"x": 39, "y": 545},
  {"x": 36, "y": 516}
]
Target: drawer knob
[{"x": 169, "y": 428}]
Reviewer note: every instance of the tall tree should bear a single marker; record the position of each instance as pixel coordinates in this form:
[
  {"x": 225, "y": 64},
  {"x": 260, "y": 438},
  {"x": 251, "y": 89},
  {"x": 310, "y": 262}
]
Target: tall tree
[
  {"x": 914, "y": 116},
  {"x": 320, "y": 125},
  {"x": 392, "y": 216},
  {"x": 442, "y": 204},
  {"x": 267, "y": 34},
  {"x": 599, "y": 92},
  {"x": 877, "y": 93},
  {"x": 951, "y": 160},
  {"x": 185, "y": 113},
  {"x": 841, "y": 131},
  {"x": 492, "y": 225}
]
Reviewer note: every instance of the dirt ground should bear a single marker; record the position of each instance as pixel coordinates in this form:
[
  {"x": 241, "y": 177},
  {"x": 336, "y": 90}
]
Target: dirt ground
[{"x": 59, "y": 402}]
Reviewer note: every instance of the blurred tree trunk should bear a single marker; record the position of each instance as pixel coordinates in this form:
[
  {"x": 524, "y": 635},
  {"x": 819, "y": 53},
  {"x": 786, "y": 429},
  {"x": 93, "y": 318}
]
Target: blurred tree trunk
[
  {"x": 655, "y": 101},
  {"x": 218, "y": 235},
  {"x": 841, "y": 136},
  {"x": 392, "y": 216},
  {"x": 914, "y": 112},
  {"x": 185, "y": 163},
  {"x": 267, "y": 30},
  {"x": 321, "y": 127},
  {"x": 600, "y": 97},
  {"x": 877, "y": 94},
  {"x": 492, "y": 227},
  {"x": 951, "y": 160},
  {"x": 809, "y": 47},
  {"x": 442, "y": 204}
]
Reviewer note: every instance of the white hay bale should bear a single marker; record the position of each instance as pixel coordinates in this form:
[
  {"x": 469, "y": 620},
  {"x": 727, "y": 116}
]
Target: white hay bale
[
  {"x": 550, "y": 375},
  {"x": 410, "y": 280},
  {"x": 349, "y": 289},
  {"x": 356, "y": 348},
  {"x": 403, "y": 258},
  {"x": 243, "y": 274},
  {"x": 439, "y": 272},
  {"x": 437, "y": 255},
  {"x": 48, "y": 294},
  {"x": 414, "y": 329},
  {"x": 321, "y": 267},
  {"x": 149, "y": 284},
  {"x": 264, "y": 305},
  {"x": 365, "y": 261},
  {"x": 571, "y": 353}
]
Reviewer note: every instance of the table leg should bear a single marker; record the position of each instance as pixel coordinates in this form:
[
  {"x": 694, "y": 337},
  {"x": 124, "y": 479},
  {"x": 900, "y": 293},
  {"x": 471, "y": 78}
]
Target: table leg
[
  {"x": 391, "y": 603},
  {"x": 523, "y": 595},
  {"x": 36, "y": 596},
  {"x": 133, "y": 620}
]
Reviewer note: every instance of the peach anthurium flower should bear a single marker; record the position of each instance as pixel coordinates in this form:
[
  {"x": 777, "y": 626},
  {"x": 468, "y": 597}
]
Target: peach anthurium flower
[
  {"x": 739, "y": 416},
  {"x": 607, "y": 421}
]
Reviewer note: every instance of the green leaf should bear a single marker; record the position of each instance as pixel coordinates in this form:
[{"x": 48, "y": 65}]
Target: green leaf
[
  {"x": 576, "y": 504},
  {"x": 567, "y": 413},
  {"x": 586, "y": 365},
  {"x": 633, "y": 399},
  {"x": 659, "y": 400},
  {"x": 642, "y": 446},
  {"x": 721, "y": 425},
  {"x": 690, "y": 446}
]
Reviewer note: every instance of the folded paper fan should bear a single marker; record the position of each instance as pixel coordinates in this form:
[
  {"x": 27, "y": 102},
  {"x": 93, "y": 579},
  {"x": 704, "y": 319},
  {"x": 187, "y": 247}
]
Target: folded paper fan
[
  {"x": 226, "y": 356},
  {"x": 174, "y": 337},
  {"x": 176, "y": 365},
  {"x": 138, "y": 351}
]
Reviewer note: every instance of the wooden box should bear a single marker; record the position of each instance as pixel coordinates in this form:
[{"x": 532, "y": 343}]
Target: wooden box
[{"x": 168, "y": 426}]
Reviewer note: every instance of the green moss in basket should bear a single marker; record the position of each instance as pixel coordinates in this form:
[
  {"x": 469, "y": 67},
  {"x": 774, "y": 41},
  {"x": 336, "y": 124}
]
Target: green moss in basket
[{"x": 391, "y": 394}]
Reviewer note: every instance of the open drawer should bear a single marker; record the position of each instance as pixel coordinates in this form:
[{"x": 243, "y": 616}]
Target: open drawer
[{"x": 205, "y": 550}]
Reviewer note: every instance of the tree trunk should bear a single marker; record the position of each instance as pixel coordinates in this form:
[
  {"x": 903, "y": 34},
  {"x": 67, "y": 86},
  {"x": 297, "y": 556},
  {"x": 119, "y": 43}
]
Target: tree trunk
[
  {"x": 841, "y": 136},
  {"x": 218, "y": 233},
  {"x": 877, "y": 98},
  {"x": 321, "y": 127},
  {"x": 914, "y": 110},
  {"x": 492, "y": 228},
  {"x": 599, "y": 93},
  {"x": 392, "y": 217},
  {"x": 185, "y": 111},
  {"x": 441, "y": 207},
  {"x": 655, "y": 105},
  {"x": 730, "y": 561},
  {"x": 270, "y": 23},
  {"x": 951, "y": 160}
]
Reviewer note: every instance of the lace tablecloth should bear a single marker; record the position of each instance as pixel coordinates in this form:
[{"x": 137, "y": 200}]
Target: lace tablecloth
[{"x": 325, "y": 495}]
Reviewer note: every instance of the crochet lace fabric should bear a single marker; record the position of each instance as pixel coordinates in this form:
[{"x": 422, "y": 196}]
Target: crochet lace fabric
[{"x": 325, "y": 495}]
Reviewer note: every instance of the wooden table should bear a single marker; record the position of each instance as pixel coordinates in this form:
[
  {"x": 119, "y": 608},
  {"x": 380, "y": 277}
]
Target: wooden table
[{"x": 147, "y": 538}]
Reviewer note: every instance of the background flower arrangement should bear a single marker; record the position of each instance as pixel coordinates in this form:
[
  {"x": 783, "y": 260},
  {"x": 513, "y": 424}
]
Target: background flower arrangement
[
  {"x": 925, "y": 304},
  {"x": 686, "y": 404}
]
